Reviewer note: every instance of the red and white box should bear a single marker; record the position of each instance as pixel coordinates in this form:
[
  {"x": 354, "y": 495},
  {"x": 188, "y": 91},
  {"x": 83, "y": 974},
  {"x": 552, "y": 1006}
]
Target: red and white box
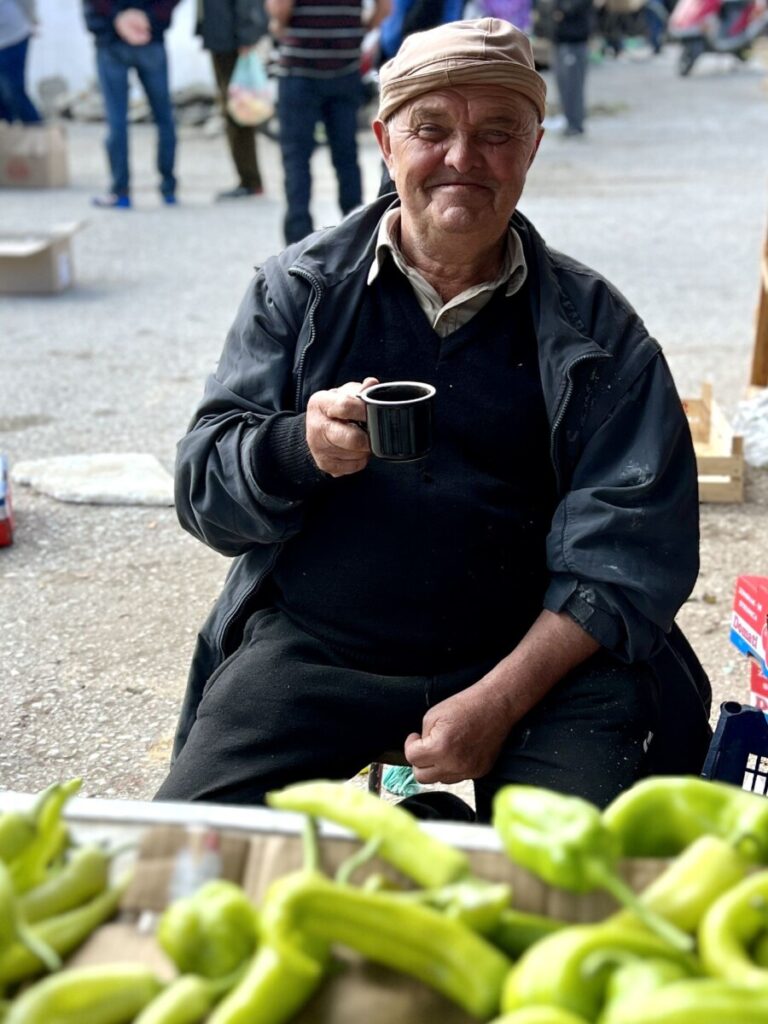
[
  {"x": 758, "y": 686},
  {"x": 749, "y": 619},
  {"x": 6, "y": 510}
]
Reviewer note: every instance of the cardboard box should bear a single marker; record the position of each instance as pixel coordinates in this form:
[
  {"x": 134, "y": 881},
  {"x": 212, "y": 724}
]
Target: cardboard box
[
  {"x": 749, "y": 619},
  {"x": 37, "y": 262},
  {"x": 758, "y": 686},
  {"x": 33, "y": 156},
  {"x": 6, "y": 509}
]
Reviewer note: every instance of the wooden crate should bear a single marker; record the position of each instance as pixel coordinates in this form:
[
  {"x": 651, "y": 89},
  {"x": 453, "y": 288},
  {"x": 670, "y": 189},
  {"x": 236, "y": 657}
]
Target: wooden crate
[{"x": 719, "y": 452}]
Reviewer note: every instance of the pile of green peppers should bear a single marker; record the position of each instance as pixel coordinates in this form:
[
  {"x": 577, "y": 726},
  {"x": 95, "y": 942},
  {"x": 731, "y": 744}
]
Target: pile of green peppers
[{"x": 692, "y": 948}]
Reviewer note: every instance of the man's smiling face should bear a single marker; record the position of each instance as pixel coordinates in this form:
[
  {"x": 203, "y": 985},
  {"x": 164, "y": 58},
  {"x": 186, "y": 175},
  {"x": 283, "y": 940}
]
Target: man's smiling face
[{"x": 459, "y": 158}]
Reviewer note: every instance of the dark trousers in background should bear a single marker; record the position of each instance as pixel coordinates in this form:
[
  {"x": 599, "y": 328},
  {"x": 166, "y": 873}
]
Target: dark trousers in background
[
  {"x": 15, "y": 104},
  {"x": 240, "y": 138},
  {"x": 302, "y": 102},
  {"x": 571, "y": 73},
  {"x": 285, "y": 707},
  {"x": 114, "y": 62}
]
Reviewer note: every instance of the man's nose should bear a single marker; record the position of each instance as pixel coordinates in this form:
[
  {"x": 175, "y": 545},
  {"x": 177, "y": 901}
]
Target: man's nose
[{"x": 462, "y": 152}]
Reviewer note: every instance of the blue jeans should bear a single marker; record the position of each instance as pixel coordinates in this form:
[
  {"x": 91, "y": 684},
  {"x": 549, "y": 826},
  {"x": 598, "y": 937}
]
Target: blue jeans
[
  {"x": 114, "y": 61},
  {"x": 15, "y": 105},
  {"x": 301, "y": 103}
]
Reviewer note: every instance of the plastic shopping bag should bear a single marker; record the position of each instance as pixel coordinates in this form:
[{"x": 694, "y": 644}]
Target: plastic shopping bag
[{"x": 249, "y": 96}]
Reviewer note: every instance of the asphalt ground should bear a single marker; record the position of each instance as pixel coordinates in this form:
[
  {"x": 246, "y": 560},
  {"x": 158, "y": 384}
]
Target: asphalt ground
[{"x": 666, "y": 196}]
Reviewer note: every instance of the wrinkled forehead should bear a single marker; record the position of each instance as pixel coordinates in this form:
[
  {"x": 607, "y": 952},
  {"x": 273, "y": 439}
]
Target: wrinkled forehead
[{"x": 472, "y": 104}]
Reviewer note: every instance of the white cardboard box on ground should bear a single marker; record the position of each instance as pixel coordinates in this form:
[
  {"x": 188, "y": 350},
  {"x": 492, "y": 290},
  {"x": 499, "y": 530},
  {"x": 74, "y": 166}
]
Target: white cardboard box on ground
[
  {"x": 37, "y": 262},
  {"x": 33, "y": 156}
]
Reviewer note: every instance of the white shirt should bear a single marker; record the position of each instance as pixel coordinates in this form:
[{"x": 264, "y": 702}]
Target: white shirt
[{"x": 449, "y": 316}]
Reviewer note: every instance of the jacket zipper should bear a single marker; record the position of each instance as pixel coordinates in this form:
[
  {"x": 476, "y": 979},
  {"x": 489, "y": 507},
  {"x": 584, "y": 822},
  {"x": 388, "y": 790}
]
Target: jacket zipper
[
  {"x": 560, "y": 415},
  {"x": 317, "y": 288}
]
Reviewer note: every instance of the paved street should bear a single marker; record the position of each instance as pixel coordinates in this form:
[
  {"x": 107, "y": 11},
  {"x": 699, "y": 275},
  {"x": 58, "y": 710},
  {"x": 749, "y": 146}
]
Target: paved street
[{"x": 666, "y": 196}]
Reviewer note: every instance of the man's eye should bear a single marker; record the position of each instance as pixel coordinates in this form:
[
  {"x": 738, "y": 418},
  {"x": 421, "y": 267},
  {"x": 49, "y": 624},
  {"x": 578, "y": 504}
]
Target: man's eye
[
  {"x": 495, "y": 138},
  {"x": 431, "y": 132}
]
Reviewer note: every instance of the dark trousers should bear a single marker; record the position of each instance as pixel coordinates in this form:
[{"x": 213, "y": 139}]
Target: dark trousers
[
  {"x": 15, "y": 104},
  {"x": 571, "y": 74},
  {"x": 240, "y": 138},
  {"x": 302, "y": 102},
  {"x": 114, "y": 61},
  {"x": 285, "y": 708}
]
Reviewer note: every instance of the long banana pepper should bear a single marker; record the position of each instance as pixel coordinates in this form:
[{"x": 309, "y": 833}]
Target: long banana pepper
[
  {"x": 660, "y": 816},
  {"x": 402, "y": 841},
  {"x": 402, "y": 935},
  {"x": 729, "y": 929},
  {"x": 560, "y": 970}
]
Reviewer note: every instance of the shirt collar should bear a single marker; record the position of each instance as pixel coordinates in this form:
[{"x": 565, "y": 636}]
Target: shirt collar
[{"x": 513, "y": 270}]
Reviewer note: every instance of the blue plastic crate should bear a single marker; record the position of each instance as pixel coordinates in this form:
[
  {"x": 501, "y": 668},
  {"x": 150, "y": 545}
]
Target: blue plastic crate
[{"x": 738, "y": 752}]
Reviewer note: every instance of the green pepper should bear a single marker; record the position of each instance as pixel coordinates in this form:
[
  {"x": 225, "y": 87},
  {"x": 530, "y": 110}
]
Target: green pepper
[
  {"x": 759, "y": 949},
  {"x": 29, "y": 868},
  {"x": 63, "y": 933},
  {"x": 516, "y": 930},
  {"x": 729, "y": 928},
  {"x": 13, "y": 928},
  {"x": 404, "y": 936},
  {"x": 84, "y": 876},
  {"x": 635, "y": 979},
  {"x": 475, "y": 903},
  {"x": 188, "y": 999},
  {"x": 403, "y": 843},
  {"x": 87, "y": 995},
  {"x": 692, "y": 882},
  {"x": 697, "y": 1001},
  {"x": 211, "y": 932},
  {"x": 660, "y": 816},
  {"x": 562, "y": 840},
  {"x": 17, "y": 830},
  {"x": 539, "y": 1015},
  {"x": 558, "y": 970},
  {"x": 280, "y": 979}
]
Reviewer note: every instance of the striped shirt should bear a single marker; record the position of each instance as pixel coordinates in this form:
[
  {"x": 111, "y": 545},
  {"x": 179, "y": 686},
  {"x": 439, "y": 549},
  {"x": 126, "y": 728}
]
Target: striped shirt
[{"x": 322, "y": 40}]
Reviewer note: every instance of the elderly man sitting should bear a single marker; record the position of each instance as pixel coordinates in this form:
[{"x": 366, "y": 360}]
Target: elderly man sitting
[{"x": 503, "y": 609}]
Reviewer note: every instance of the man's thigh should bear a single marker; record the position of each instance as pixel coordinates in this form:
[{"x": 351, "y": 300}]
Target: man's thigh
[
  {"x": 589, "y": 737},
  {"x": 285, "y": 708}
]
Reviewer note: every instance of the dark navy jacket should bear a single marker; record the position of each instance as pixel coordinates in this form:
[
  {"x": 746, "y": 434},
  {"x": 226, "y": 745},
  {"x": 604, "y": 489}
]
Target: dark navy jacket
[{"x": 622, "y": 553}]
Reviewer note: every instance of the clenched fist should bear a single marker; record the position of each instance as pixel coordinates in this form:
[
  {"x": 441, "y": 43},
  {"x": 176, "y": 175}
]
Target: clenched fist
[{"x": 337, "y": 441}]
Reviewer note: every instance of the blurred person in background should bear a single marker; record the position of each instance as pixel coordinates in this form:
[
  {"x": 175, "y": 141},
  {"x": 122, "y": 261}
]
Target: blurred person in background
[
  {"x": 17, "y": 24},
  {"x": 229, "y": 28},
  {"x": 571, "y": 29},
  {"x": 131, "y": 35},
  {"x": 319, "y": 80},
  {"x": 409, "y": 16}
]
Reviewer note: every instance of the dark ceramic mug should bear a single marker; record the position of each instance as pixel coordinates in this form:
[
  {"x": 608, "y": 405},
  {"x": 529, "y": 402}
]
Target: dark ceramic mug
[{"x": 399, "y": 419}]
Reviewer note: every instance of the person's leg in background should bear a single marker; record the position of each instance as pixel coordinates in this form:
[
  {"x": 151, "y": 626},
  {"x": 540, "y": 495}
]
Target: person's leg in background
[
  {"x": 16, "y": 104},
  {"x": 342, "y": 97},
  {"x": 570, "y": 73},
  {"x": 299, "y": 109},
  {"x": 112, "y": 64},
  {"x": 241, "y": 139},
  {"x": 151, "y": 63}
]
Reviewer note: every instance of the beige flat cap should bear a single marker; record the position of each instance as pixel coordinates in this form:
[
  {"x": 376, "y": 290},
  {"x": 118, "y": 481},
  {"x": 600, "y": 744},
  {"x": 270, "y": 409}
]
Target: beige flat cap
[{"x": 487, "y": 50}]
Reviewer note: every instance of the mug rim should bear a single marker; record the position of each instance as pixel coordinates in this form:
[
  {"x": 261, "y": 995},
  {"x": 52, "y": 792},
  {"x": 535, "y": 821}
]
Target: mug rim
[{"x": 372, "y": 400}]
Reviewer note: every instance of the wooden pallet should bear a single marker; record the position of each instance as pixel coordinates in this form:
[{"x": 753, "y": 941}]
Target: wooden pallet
[{"x": 719, "y": 452}]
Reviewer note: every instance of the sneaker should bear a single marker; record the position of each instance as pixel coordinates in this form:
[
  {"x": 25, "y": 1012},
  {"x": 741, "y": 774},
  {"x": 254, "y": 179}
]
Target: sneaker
[
  {"x": 112, "y": 202},
  {"x": 241, "y": 192},
  {"x": 170, "y": 199}
]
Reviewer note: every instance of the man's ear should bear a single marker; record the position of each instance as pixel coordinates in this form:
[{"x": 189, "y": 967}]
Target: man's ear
[{"x": 381, "y": 132}]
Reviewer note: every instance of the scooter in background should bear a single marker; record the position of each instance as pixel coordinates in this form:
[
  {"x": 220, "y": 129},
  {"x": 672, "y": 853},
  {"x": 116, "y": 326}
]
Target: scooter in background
[{"x": 715, "y": 26}]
